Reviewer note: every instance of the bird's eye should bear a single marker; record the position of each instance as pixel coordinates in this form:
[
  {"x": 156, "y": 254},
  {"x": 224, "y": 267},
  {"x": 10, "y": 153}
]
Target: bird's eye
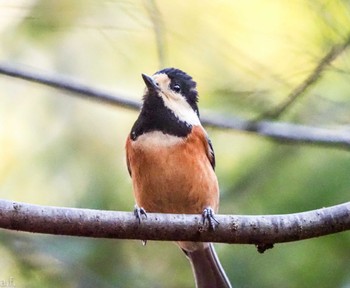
[{"x": 177, "y": 88}]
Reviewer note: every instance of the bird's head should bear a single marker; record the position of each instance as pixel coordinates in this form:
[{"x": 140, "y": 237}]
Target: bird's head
[{"x": 177, "y": 91}]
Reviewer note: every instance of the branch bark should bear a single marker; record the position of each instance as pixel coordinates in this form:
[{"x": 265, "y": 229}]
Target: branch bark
[
  {"x": 279, "y": 131},
  {"x": 262, "y": 231}
]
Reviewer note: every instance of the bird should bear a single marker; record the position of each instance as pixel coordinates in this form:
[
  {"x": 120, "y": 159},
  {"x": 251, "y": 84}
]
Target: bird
[{"x": 171, "y": 161}]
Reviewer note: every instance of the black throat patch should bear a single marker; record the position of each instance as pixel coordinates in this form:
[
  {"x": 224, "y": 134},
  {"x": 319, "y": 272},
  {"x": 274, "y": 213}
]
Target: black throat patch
[{"x": 155, "y": 116}]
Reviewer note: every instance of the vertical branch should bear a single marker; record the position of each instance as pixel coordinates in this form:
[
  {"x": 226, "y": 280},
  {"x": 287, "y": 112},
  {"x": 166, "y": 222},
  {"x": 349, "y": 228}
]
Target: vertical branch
[{"x": 158, "y": 27}]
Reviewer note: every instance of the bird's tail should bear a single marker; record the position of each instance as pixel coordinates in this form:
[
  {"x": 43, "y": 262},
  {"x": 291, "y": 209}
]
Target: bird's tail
[{"x": 207, "y": 269}]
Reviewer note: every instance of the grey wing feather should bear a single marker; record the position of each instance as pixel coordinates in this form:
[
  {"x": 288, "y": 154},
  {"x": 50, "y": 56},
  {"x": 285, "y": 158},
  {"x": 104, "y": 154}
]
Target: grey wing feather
[{"x": 211, "y": 153}]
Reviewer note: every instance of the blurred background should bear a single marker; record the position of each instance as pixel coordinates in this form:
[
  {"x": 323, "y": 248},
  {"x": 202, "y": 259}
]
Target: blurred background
[{"x": 246, "y": 56}]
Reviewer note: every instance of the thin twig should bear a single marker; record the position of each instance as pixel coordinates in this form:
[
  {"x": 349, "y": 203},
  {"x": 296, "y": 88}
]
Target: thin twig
[
  {"x": 260, "y": 230},
  {"x": 72, "y": 86},
  {"x": 315, "y": 75},
  {"x": 282, "y": 131},
  {"x": 158, "y": 28},
  {"x": 279, "y": 131}
]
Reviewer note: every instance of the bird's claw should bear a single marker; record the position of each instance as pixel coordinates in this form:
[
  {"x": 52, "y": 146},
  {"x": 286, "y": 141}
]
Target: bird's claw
[
  {"x": 138, "y": 212},
  {"x": 208, "y": 217}
]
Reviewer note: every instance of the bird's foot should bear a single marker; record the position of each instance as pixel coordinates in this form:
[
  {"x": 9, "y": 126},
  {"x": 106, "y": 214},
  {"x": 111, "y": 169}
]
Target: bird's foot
[
  {"x": 138, "y": 212},
  {"x": 208, "y": 217}
]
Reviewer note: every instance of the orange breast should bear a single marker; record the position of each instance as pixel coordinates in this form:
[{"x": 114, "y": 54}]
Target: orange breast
[{"x": 172, "y": 174}]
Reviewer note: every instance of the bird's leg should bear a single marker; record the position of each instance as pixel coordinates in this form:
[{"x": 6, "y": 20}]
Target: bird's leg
[
  {"x": 208, "y": 217},
  {"x": 138, "y": 212}
]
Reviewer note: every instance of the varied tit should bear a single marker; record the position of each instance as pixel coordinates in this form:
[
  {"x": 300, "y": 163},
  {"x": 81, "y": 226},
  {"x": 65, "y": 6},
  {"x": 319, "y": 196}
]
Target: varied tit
[{"x": 171, "y": 161}]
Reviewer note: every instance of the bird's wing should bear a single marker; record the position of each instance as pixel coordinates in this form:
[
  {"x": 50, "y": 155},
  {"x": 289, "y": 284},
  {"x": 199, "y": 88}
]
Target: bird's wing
[
  {"x": 127, "y": 147},
  {"x": 211, "y": 154}
]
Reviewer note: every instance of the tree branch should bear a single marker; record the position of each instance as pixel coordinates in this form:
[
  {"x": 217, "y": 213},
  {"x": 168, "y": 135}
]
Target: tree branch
[
  {"x": 259, "y": 230},
  {"x": 298, "y": 91},
  {"x": 279, "y": 131}
]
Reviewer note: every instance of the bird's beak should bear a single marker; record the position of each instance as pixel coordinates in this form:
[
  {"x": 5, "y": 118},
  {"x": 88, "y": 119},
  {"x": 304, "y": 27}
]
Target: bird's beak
[{"x": 151, "y": 85}]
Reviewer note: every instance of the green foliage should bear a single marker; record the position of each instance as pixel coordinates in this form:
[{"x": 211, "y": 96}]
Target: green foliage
[{"x": 246, "y": 57}]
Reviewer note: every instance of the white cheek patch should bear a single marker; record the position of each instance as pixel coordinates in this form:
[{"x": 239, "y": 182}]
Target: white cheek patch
[
  {"x": 181, "y": 109},
  {"x": 175, "y": 102}
]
